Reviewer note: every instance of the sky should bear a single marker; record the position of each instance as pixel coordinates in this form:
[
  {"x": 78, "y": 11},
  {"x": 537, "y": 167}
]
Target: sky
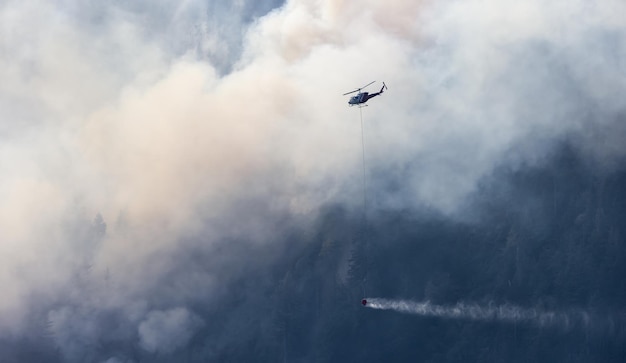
[{"x": 134, "y": 133}]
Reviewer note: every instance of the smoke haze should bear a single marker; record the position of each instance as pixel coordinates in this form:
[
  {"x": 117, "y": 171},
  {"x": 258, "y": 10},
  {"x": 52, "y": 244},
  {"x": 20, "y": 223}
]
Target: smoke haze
[{"x": 151, "y": 153}]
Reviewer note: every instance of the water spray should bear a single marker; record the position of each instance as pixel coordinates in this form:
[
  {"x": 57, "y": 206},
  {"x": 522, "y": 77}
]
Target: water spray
[{"x": 565, "y": 319}]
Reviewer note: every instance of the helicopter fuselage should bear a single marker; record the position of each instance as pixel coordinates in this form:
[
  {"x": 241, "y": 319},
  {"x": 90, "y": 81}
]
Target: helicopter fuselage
[{"x": 358, "y": 99}]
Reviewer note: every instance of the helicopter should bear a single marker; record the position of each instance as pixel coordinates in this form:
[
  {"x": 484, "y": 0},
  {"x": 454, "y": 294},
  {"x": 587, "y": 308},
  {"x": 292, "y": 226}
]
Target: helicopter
[{"x": 362, "y": 97}]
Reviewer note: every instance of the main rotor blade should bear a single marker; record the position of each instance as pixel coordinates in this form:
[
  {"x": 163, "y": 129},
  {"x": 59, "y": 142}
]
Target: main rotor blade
[
  {"x": 358, "y": 89},
  {"x": 367, "y": 85}
]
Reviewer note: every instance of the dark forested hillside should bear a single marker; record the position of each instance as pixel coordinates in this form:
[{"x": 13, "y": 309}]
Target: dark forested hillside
[{"x": 545, "y": 236}]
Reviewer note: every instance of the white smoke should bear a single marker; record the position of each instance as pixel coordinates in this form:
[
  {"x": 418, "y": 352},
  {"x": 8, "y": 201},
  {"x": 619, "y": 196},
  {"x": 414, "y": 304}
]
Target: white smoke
[
  {"x": 125, "y": 110},
  {"x": 166, "y": 331}
]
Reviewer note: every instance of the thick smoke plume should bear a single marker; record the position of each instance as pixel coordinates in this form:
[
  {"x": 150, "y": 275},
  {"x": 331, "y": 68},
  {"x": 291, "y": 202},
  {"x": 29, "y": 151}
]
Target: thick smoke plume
[{"x": 147, "y": 147}]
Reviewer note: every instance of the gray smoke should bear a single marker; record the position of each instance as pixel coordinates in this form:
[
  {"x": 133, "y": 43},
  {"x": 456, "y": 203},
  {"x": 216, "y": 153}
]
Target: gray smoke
[{"x": 147, "y": 147}]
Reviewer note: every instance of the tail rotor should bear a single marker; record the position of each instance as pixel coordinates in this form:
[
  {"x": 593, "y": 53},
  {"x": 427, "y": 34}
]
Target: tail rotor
[{"x": 383, "y": 88}]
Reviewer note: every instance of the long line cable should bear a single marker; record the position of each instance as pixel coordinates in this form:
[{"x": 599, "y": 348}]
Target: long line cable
[
  {"x": 363, "y": 165},
  {"x": 364, "y": 217}
]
